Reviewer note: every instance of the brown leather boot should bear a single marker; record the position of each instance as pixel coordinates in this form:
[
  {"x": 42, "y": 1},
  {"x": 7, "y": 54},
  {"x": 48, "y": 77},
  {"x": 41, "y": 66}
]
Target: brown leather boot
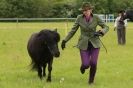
[
  {"x": 92, "y": 74},
  {"x": 82, "y": 69}
]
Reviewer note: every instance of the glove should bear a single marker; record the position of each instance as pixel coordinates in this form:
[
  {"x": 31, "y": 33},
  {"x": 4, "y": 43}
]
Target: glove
[
  {"x": 98, "y": 33},
  {"x": 63, "y": 44}
]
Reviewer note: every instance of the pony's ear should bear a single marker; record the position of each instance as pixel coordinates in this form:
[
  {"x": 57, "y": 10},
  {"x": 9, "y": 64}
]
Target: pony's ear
[{"x": 55, "y": 29}]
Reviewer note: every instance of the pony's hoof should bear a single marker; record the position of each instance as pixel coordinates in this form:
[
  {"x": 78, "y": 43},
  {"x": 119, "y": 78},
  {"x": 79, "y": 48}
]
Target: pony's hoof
[
  {"x": 48, "y": 80},
  {"x": 41, "y": 78},
  {"x": 44, "y": 75}
]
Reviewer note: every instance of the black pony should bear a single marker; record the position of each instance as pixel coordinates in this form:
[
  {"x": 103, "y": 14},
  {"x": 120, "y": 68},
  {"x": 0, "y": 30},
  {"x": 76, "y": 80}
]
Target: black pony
[{"x": 42, "y": 47}]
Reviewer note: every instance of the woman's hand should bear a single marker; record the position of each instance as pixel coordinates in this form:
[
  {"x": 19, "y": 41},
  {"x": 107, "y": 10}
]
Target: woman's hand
[
  {"x": 63, "y": 44},
  {"x": 99, "y": 33}
]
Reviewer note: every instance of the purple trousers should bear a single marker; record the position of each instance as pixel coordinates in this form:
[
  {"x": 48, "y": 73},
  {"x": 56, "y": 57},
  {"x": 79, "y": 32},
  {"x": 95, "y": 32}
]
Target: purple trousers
[{"x": 89, "y": 58}]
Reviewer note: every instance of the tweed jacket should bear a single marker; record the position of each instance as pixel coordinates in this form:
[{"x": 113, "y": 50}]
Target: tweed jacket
[{"x": 87, "y": 30}]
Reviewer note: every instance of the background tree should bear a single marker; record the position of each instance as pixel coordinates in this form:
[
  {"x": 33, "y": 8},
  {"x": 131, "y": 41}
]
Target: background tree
[{"x": 58, "y": 8}]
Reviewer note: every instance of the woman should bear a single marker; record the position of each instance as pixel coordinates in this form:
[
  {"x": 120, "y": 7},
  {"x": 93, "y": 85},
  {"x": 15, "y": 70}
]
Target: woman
[
  {"x": 88, "y": 44},
  {"x": 121, "y": 28}
]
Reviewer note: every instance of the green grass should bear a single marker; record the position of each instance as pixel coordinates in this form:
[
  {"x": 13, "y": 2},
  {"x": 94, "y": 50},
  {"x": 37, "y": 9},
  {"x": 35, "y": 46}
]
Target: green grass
[{"x": 115, "y": 68}]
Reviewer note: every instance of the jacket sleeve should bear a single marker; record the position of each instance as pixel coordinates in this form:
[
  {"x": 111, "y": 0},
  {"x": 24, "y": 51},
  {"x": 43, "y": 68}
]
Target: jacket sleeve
[
  {"x": 116, "y": 21},
  {"x": 73, "y": 30},
  {"x": 105, "y": 28},
  {"x": 125, "y": 21}
]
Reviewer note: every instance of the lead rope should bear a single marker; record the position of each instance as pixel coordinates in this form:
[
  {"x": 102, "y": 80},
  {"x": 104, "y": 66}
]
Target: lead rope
[{"x": 103, "y": 45}]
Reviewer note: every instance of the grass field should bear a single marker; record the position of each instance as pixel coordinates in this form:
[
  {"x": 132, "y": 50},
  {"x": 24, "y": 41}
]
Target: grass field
[{"x": 115, "y": 68}]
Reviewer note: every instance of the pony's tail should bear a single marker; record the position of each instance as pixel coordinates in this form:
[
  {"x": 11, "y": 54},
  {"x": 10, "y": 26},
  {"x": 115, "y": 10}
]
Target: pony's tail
[{"x": 34, "y": 66}]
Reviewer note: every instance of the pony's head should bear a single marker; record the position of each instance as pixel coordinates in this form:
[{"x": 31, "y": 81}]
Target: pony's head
[{"x": 51, "y": 39}]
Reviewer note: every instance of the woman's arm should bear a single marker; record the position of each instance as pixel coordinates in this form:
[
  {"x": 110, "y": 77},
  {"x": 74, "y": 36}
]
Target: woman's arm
[
  {"x": 105, "y": 28},
  {"x": 73, "y": 30}
]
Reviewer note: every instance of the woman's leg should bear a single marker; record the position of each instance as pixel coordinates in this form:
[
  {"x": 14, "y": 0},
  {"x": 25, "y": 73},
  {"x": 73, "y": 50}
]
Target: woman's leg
[
  {"x": 85, "y": 59},
  {"x": 119, "y": 36},
  {"x": 123, "y": 36},
  {"x": 93, "y": 64}
]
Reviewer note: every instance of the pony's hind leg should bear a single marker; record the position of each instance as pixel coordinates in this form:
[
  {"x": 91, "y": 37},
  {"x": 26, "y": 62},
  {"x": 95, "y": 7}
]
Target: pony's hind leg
[
  {"x": 49, "y": 70},
  {"x": 44, "y": 67}
]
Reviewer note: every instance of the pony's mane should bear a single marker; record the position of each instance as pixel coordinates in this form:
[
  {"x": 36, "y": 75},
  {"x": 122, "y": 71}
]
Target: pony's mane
[{"x": 49, "y": 33}]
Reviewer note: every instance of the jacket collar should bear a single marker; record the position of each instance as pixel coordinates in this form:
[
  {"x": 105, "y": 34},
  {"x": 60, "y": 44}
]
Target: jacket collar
[
  {"x": 87, "y": 23},
  {"x": 84, "y": 15}
]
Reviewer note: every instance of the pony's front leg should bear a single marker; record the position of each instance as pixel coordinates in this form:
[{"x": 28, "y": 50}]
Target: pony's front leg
[
  {"x": 44, "y": 67},
  {"x": 49, "y": 70},
  {"x": 39, "y": 69}
]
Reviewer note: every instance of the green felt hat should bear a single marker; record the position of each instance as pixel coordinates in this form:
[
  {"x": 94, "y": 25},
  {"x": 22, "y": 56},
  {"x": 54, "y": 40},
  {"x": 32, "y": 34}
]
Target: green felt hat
[{"x": 86, "y": 6}]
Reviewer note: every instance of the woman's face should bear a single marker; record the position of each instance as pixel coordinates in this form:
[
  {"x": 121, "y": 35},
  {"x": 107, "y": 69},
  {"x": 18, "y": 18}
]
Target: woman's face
[
  {"x": 87, "y": 12},
  {"x": 120, "y": 14}
]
